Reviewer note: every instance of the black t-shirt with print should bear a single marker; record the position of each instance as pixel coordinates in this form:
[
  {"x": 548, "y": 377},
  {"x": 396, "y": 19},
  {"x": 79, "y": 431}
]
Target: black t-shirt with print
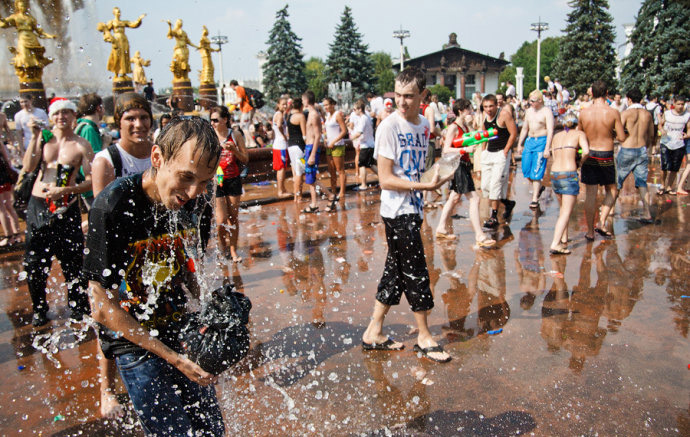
[{"x": 145, "y": 254}]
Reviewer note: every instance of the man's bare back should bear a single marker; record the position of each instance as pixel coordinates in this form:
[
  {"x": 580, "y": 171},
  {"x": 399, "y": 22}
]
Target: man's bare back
[
  {"x": 640, "y": 127},
  {"x": 602, "y": 124},
  {"x": 313, "y": 127}
]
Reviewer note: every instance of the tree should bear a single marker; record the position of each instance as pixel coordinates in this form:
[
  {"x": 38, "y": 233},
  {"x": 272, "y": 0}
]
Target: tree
[
  {"x": 284, "y": 69},
  {"x": 526, "y": 57},
  {"x": 384, "y": 77},
  {"x": 349, "y": 59},
  {"x": 660, "y": 57},
  {"x": 315, "y": 72},
  {"x": 443, "y": 92},
  {"x": 586, "y": 52}
]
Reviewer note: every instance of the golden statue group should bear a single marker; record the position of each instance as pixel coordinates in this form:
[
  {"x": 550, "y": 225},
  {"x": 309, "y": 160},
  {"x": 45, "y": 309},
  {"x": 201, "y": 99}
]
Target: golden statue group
[{"x": 29, "y": 57}]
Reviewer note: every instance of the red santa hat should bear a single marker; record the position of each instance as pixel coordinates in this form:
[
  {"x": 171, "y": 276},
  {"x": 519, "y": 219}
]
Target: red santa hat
[{"x": 60, "y": 103}]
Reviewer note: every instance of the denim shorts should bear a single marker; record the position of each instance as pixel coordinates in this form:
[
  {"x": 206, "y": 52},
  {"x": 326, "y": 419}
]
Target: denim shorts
[
  {"x": 166, "y": 401},
  {"x": 633, "y": 161},
  {"x": 565, "y": 182}
]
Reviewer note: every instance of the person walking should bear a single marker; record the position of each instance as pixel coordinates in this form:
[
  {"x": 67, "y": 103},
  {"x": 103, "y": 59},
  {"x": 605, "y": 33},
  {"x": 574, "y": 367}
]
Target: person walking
[{"x": 336, "y": 132}]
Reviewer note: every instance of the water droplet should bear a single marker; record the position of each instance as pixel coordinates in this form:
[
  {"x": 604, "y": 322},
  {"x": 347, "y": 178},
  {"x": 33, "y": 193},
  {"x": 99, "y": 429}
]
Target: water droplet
[
  {"x": 86, "y": 251},
  {"x": 21, "y": 276},
  {"x": 106, "y": 273}
]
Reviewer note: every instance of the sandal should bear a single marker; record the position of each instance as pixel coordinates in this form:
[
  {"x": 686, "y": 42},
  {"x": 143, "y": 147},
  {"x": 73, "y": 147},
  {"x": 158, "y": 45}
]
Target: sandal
[
  {"x": 6, "y": 241},
  {"x": 387, "y": 345},
  {"x": 445, "y": 236},
  {"x": 588, "y": 238},
  {"x": 682, "y": 193},
  {"x": 425, "y": 351},
  {"x": 486, "y": 242},
  {"x": 671, "y": 192},
  {"x": 310, "y": 209},
  {"x": 559, "y": 252},
  {"x": 333, "y": 206},
  {"x": 603, "y": 233},
  {"x": 534, "y": 205},
  {"x": 645, "y": 221}
]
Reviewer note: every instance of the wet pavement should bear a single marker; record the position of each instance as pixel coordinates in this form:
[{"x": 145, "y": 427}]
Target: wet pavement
[{"x": 591, "y": 343}]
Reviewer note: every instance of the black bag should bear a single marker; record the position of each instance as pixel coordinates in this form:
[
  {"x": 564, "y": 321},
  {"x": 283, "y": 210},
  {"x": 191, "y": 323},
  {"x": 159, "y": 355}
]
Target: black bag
[
  {"x": 256, "y": 98},
  {"x": 25, "y": 184},
  {"x": 217, "y": 337}
]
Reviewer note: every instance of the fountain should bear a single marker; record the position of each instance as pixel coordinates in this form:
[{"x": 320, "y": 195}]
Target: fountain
[{"x": 80, "y": 65}]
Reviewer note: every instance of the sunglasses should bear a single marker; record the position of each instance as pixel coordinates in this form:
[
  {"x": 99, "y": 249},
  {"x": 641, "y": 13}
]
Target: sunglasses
[
  {"x": 214, "y": 120},
  {"x": 534, "y": 101}
]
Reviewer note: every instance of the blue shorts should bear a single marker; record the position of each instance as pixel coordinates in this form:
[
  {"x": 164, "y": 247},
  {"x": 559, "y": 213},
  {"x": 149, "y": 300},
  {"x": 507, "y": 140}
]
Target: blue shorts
[
  {"x": 533, "y": 161},
  {"x": 633, "y": 161},
  {"x": 687, "y": 146},
  {"x": 565, "y": 182},
  {"x": 310, "y": 170}
]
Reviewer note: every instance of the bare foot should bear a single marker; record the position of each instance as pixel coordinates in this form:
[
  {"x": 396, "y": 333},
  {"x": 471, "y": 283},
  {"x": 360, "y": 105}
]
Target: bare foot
[{"x": 110, "y": 407}]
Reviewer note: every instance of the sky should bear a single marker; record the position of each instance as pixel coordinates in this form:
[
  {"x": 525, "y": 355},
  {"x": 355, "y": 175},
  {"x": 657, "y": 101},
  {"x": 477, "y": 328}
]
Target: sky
[{"x": 489, "y": 28}]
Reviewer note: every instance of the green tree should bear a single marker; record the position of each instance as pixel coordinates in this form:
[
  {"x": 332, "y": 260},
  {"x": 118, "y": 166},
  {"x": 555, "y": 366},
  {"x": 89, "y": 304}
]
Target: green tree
[
  {"x": 315, "y": 71},
  {"x": 384, "y": 77},
  {"x": 586, "y": 52},
  {"x": 660, "y": 57},
  {"x": 284, "y": 69},
  {"x": 443, "y": 92},
  {"x": 526, "y": 57},
  {"x": 349, "y": 59}
]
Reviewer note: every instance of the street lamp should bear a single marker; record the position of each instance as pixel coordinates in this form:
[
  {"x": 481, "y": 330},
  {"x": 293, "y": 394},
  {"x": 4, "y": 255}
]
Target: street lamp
[
  {"x": 401, "y": 35},
  {"x": 220, "y": 40},
  {"x": 539, "y": 27}
]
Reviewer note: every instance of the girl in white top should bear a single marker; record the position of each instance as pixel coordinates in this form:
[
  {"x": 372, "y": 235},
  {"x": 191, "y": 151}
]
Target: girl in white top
[
  {"x": 280, "y": 146},
  {"x": 335, "y": 150}
]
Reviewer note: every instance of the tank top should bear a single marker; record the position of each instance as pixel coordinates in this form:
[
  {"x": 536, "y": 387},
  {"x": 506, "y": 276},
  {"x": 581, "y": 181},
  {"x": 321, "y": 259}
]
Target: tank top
[
  {"x": 295, "y": 134},
  {"x": 279, "y": 142},
  {"x": 464, "y": 156},
  {"x": 228, "y": 161},
  {"x": 333, "y": 128},
  {"x": 499, "y": 143}
]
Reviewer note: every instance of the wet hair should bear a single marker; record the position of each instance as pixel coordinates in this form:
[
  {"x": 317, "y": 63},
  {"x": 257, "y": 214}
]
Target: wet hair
[
  {"x": 412, "y": 75},
  {"x": 330, "y": 100},
  {"x": 180, "y": 130},
  {"x": 570, "y": 120},
  {"x": 222, "y": 111},
  {"x": 599, "y": 89},
  {"x": 360, "y": 104},
  {"x": 502, "y": 95},
  {"x": 460, "y": 105},
  {"x": 130, "y": 100},
  {"x": 282, "y": 98},
  {"x": 88, "y": 104},
  {"x": 634, "y": 94},
  {"x": 297, "y": 104},
  {"x": 311, "y": 98},
  {"x": 681, "y": 97},
  {"x": 370, "y": 95},
  {"x": 489, "y": 98},
  {"x": 233, "y": 82}
]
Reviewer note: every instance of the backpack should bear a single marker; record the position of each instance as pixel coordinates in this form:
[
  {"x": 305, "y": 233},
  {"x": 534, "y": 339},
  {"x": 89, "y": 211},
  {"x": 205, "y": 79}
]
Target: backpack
[
  {"x": 117, "y": 160},
  {"x": 255, "y": 97}
]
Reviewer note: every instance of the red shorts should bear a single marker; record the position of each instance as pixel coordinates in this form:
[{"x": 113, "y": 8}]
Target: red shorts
[
  {"x": 280, "y": 159},
  {"x": 5, "y": 187}
]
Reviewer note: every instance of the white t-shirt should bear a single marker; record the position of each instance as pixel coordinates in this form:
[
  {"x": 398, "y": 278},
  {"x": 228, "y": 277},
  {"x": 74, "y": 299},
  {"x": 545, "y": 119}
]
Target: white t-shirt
[
  {"x": 376, "y": 104},
  {"x": 130, "y": 164},
  {"x": 364, "y": 126},
  {"x": 510, "y": 91},
  {"x": 406, "y": 145},
  {"x": 22, "y": 118},
  {"x": 437, "y": 111},
  {"x": 674, "y": 125},
  {"x": 566, "y": 96}
]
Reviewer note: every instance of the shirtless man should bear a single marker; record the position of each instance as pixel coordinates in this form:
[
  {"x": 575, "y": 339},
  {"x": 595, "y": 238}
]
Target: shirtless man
[
  {"x": 53, "y": 219},
  {"x": 539, "y": 125},
  {"x": 599, "y": 122},
  {"x": 502, "y": 102},
  {"x": 311, "y": 151},
  {"x": 632, "y": 156}
]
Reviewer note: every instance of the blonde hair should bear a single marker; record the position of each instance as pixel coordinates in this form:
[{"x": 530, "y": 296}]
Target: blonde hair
[{"x": 536, "y": 95}]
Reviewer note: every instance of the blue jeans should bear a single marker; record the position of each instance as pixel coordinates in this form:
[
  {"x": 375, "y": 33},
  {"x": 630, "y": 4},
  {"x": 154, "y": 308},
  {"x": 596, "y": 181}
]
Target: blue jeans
[
  {"x": 633, "y": 161},
  {"x": 166, "y": 401}
]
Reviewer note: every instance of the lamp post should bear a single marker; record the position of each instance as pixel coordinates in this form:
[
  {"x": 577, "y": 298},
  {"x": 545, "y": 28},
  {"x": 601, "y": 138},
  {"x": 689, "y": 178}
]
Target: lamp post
[
  {"x": 518, "y": 82},
  {"x": 539, "y": 27},
  {"x": 401, "y": 35},
  {"x": 220, "y": 40}
]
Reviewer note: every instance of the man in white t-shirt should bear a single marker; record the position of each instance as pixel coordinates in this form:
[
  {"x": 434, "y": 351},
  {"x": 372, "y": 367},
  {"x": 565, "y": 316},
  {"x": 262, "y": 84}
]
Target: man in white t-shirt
[
  {"x": 376, "y": 104},
  {"x": 674, "y": 126},
  {"x": 510, "y": 89},
  {"x": 23, "y": 117},
  {"x": 401, "y": 147},
  {"x": 363, "y": 134}
]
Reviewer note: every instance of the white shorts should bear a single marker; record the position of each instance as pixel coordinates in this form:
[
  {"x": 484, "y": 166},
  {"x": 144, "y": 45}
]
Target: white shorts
[
  {"x": 296, "y": 160},
  {"x": 494, "y": 174}
]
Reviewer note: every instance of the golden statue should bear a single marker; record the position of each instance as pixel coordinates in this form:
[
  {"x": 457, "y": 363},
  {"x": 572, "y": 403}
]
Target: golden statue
[
  {"x": 29, "y": 58},
  {"x": 139, "y": 64},
  {"x": 180, "y": 62},
  {"x": 119, "y": 61},
  {"x": 206, "y": 76}
]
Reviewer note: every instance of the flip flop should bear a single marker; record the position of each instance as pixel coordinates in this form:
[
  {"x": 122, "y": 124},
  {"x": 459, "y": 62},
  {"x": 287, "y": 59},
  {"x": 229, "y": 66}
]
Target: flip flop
[
  {"x": 425, "y": 351},
  {"x": 310, "y": 209},
  {"x": 559, "y": 252},
  {"x": 645, "y": 221},
  {"x": 445, "y": 236},
  {"x": 588, "y": 238},
  {"x": 671, "y": 193},
  {"x": 603, "y": 233},
  {"x": 534, "y": 205},
  {"x": 486, "y": 242},
  {"x": 682, "y": 193},
  {"x": 333, "y": 206},
  {"x": 385, "y": 346},
  {"x": 541, "y": 190}
]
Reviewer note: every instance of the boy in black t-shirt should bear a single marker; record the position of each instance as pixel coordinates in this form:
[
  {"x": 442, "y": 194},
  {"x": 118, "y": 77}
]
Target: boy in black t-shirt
[{"x": 145, "y": 232}]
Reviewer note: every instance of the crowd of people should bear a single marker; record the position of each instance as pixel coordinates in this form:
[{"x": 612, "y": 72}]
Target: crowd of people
[{"x": 152, "y": 197}]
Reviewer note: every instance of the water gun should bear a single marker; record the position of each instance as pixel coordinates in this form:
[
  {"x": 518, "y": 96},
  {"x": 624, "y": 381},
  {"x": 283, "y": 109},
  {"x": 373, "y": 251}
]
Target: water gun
[
  {"x": 219, "y": 176},
  {"x": 475, "y": 137}
]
